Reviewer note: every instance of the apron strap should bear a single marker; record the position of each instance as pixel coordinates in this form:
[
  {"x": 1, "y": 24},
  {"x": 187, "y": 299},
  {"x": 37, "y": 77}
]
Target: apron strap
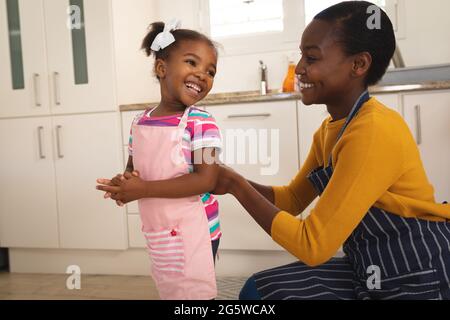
[
  {"x": 184, "y": 119},
  {"x": 363, "y": 98}
]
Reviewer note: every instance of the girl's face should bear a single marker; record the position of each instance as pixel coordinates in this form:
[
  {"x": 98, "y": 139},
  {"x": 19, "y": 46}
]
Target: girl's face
[
  {"x": 187, "y": 75},
  {"x": 324, "y": 70}
]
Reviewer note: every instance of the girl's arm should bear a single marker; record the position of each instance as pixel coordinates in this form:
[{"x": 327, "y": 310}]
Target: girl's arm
[
  {"x": 203, "y": 179},
  {"x": 129, "y": 167}
]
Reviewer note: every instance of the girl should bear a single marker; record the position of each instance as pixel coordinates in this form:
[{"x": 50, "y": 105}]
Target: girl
[
  {"x": 173, "y": 149},
  {"x": 375, "y": 198}
]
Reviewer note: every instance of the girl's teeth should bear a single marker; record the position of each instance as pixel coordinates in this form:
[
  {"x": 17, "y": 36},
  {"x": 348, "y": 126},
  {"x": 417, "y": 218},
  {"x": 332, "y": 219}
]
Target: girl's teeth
[{"x": 193, "y": 86}]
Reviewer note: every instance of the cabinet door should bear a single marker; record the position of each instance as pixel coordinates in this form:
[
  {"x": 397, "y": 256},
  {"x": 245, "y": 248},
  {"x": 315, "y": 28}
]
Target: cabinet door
[
  {"x": 28, "y": 211},
  {"x": 87, "y": 148},
  {"x": 428, "y": 116},
  {"x": 260, "y": 142},
  {"x": 80, "y": 59},
  {"x": 23, "y": 76}
]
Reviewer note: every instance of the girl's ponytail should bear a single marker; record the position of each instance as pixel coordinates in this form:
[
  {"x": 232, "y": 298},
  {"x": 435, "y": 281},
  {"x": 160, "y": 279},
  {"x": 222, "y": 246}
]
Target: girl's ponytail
[{"x": 153, "y": 30}]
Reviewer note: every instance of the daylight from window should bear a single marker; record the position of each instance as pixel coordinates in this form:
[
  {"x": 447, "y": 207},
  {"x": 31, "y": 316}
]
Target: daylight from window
[{"x": 233, "y": 18}]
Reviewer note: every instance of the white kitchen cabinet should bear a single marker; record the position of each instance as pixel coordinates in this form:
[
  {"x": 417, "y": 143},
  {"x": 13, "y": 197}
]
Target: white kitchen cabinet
[
  {"x": 28, "y": 206},
  {"x": 260, "y": 142},
  {"x": 428, "y": 116},
  {"x": 88, "y": 149},
  {"x": 23, "y": 79},
  {"x": 50, "y": 169},
  {"x": 65, "y": 69}
]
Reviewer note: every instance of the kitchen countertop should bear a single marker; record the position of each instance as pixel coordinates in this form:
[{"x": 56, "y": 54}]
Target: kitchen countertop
[{"x": 275, "y": 95}]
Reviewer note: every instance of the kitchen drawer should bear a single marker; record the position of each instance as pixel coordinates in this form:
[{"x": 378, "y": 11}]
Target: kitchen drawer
[{"x": 269, "y": 151}]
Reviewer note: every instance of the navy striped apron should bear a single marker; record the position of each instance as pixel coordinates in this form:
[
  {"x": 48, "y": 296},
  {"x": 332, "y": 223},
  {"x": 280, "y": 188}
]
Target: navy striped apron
[{"x": 386, "y": 257}]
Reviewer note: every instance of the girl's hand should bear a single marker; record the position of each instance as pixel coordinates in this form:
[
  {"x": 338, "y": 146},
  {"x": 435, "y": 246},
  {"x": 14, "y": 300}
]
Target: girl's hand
[
  {"x": 116, "y": 181},
  {"x": 226, "y": 180}
]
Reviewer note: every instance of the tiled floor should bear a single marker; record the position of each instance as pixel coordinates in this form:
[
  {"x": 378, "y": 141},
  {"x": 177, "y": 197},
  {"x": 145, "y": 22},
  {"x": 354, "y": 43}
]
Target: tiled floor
[{"x": 104, "y": 287}]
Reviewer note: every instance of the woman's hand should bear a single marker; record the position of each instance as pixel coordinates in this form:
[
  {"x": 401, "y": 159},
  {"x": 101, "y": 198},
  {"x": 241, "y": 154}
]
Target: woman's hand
[{"x": 226, "y": 180}]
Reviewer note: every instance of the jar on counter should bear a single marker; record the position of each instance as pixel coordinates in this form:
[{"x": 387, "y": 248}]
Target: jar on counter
[{"x": 290, "y": 83}]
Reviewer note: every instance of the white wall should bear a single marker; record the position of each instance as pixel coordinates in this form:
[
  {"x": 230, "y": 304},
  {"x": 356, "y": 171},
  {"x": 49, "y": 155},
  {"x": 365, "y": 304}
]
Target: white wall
[
  {"x": 427, "y": 42},
  {"x": 135, "y": 81},
  {"x": 427, "y": 32}
]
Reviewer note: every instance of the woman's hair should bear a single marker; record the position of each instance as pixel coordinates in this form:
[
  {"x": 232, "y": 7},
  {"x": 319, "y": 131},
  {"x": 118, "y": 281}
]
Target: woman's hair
[
  {"x": 179, "y": 34},
  {"x": 351, "y": 19}
]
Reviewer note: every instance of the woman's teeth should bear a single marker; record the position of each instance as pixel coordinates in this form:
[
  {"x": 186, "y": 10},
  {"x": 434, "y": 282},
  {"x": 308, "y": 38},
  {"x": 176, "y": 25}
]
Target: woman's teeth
[
  {"x": 306, "y": 85},
  {"x": 193, "y": 86}
]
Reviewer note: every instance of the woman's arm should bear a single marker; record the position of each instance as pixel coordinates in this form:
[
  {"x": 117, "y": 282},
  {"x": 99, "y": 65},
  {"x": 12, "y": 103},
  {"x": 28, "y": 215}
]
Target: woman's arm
[
  {"x": 266, "y": 191},
  {"x": 262, "y": 210}
]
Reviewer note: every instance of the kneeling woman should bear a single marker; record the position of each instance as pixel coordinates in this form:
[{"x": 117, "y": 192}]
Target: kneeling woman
[{"x": 375, "y": 199}]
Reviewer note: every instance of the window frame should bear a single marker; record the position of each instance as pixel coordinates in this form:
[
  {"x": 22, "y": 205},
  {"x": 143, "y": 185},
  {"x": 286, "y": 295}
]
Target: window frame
[
  {"x": 287, "y": 39},
  {"x": 294, "y": 25}
]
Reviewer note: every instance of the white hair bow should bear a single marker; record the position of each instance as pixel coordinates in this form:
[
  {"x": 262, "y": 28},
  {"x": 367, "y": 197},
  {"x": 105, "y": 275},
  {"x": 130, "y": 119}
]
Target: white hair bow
[{"x": 165, "y": 38}]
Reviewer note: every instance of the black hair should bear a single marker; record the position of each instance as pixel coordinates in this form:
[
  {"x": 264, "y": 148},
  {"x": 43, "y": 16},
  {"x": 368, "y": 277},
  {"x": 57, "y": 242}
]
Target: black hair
[
  {"x": 353, "y": 33},
  {"x": 179, "y": 34}
]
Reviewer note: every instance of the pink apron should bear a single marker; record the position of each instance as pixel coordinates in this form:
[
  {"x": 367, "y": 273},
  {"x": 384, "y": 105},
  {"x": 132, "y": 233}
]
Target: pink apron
[{"x": 176, "y": 230}]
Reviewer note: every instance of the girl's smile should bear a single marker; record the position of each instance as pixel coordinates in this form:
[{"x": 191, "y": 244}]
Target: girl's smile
[{"x": 187, "y": 75}]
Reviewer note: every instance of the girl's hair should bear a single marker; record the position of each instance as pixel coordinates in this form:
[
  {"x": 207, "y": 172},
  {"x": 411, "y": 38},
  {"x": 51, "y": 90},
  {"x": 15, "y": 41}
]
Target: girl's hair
[
  {"x": 179, "y": 34},
  {"x": 353, "y": 33}
]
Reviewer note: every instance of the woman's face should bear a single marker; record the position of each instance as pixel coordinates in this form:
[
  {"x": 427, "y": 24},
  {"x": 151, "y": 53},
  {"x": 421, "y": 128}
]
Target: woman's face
[
  {"x": 189, "y": 72},
  {"x": 324, "y": 70}
]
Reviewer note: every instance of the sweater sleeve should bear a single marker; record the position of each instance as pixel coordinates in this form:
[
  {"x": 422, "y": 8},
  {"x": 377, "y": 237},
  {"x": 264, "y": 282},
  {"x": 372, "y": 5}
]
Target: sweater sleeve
[
  {"x": 299, "y": 193},
  {"x": 367, "y": 160}
]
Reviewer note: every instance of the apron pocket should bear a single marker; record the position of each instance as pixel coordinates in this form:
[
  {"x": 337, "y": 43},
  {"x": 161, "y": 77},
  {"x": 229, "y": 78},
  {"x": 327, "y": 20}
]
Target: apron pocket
[
  {"x": 415, "y": 285},
  {"x": 166, "y": 250}
]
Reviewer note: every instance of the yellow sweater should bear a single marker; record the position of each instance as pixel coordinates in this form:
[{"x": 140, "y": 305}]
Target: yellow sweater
[{"x": 375, "y": 163}]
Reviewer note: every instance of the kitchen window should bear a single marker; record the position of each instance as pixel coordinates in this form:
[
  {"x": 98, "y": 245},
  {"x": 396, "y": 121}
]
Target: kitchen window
[
  {"x": 249, "y": 26},
  {"x": 243, "y": 17}
]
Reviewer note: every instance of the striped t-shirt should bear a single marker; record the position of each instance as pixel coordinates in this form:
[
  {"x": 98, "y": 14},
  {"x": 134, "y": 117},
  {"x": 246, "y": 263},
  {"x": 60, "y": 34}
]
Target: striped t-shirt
[{"x": 201, "y": 132}]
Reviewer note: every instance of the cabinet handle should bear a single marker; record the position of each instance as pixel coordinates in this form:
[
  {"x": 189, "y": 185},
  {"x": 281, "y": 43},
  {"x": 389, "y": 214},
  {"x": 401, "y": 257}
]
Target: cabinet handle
[
  {"x": 418, "y": 125},
  {"x": 41, "y": 153},
  {"x": 58, "y": 141},
  {"x": 37, "y": 98},
  {"x": 232, "y": 116},
  {"x": 56, "y": 88}
]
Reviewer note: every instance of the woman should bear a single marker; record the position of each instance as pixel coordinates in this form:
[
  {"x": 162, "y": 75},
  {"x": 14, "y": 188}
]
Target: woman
[{"x": 375, "y": 198}]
